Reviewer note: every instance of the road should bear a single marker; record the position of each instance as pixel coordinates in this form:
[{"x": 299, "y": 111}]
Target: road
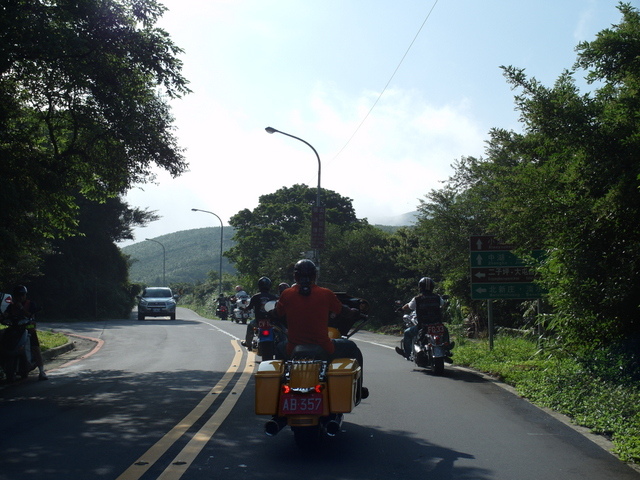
[{"x": 165, "y": 399}]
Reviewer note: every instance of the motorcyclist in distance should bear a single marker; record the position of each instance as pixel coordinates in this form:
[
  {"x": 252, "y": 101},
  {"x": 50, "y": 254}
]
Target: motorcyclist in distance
[
  {"x": 258, "y": 302},
  {"x": 307, "y": 308},
  {"x": 428, "y": 307},
  {"x": 282, "y": 287}
]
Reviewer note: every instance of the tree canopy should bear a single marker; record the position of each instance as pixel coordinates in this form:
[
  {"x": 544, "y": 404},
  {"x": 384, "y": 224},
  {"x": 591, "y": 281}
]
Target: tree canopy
[
  {"x": 83, "y": 111},
  {"x": 568, "y": 183},
  {"x": 278, "y": 216}
]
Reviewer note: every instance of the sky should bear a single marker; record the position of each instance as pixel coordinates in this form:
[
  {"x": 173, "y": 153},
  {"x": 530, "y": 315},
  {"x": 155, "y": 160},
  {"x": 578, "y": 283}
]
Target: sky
[{"x": 390, "y": 93}]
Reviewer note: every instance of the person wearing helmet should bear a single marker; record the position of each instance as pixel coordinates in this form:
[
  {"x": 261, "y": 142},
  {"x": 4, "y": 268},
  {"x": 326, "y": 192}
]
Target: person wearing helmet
[
  {"x": 20, "y": 308},
  {"x": 428, "y": 308},
  {"x": 307, "y": 308},
  {"x": 258, "y": 302},
  {"x": 282, "y": 287},
  {"x": 222, "y": 302}
]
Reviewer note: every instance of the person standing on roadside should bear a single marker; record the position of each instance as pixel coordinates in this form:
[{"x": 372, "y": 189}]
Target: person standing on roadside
[{"x": 19, "y": 309}]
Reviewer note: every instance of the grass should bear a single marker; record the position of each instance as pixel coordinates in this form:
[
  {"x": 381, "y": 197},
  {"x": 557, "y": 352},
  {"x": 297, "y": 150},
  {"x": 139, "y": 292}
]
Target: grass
[
  {"x": 50, "y": 340},
  {"x": 555, "y": 381}
]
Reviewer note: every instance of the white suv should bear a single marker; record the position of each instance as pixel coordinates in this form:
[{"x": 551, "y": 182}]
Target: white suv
[{"x": 157, "y": 302}]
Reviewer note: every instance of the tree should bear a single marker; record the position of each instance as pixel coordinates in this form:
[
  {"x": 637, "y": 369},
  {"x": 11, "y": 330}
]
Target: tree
[
  {"x": 569, "y": 183},
  {"x": 83, "y": 89},
  {"x": 279, "y": 215},
  {"x": 86, "y": 275}
]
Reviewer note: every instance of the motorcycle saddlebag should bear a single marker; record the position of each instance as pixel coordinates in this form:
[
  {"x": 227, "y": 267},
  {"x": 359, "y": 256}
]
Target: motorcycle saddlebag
[
  {"x": 268, "y": 379},
  {"x": 342, "y": 383}
]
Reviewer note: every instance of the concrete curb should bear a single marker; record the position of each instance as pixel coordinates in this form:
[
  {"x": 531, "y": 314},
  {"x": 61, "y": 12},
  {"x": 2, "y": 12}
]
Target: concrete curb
[{"x": 54, "y": 352}]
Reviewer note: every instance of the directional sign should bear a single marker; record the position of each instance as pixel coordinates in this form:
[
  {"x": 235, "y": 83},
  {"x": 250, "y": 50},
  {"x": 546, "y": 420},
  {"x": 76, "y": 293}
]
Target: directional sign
[
  {"x": 501, "y": 259},
  {"x": 502, "y": 275},
  {"x": 488, "y": 243},
  {"x": 492, "y": 291},
  {"x": 496, "y": 272}
]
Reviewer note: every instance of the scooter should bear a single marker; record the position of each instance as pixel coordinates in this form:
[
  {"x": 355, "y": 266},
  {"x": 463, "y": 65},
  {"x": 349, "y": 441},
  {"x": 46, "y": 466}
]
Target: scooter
[
  {"x": 15, "y": 349},
  {"x": 310, "y": 392}
]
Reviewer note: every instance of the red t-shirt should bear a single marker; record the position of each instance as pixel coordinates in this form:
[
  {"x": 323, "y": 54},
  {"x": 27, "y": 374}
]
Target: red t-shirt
[{"x": 308, "y": 316}]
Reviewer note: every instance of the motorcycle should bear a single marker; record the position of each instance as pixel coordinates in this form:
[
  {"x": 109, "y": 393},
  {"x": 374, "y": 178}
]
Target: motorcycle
[
  {"x": 15, "y": 349},
  {"x": 239, "y": 314},
  {"x": 431, "y": 347},
  {"x": 222, "y": 312},
  {"x": 266, "y": 335},
  {"x": 310, "y": 392}
]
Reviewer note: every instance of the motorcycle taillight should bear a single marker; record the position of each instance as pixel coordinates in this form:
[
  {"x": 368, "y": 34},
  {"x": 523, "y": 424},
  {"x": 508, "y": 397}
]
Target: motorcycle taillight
[{"x": 265, "y": 333}]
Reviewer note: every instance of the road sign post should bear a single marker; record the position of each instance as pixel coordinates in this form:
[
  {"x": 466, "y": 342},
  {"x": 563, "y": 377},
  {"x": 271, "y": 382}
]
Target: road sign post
[{"x": 498, "y": 273}]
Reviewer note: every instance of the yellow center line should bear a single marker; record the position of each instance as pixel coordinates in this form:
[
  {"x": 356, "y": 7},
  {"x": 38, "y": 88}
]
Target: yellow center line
[
  {"x": 151, "y": 456},
  {"x": 189, "y": 453}
]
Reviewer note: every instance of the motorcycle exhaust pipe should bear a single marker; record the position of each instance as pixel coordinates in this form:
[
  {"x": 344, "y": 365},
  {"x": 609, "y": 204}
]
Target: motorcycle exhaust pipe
[
  {"x": 333, "y": 426},
  {"x": 273, "y": 426}
]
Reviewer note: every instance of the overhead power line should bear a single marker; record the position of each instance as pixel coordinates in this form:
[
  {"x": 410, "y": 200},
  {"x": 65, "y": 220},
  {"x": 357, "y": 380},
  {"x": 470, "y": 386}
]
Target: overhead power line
[{"x": 388, "y": 82}]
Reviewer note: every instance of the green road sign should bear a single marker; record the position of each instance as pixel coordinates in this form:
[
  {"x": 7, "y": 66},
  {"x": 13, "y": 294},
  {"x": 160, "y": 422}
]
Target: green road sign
[
  {"x": 501, "y": 259},
  {"x": 491, "y": 291},
  {"x": 502, "y": 275},
  {"x": 496, "y": 272}
]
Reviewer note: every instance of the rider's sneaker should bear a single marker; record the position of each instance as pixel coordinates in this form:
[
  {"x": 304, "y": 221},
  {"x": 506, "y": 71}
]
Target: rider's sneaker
[
  {"x": 400, "y": 351},
  {"x": 43, "y": 376}
]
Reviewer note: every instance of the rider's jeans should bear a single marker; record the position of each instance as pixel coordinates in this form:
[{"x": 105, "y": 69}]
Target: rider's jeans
[{"x": 409, "y": 337}]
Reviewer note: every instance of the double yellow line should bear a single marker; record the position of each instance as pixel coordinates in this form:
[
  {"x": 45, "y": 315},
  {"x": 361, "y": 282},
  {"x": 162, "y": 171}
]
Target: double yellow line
[{"x": 185, "y": 458}]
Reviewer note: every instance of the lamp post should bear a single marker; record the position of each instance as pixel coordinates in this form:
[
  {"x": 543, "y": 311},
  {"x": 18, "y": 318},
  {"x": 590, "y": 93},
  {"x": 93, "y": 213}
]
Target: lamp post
[
  {"x": 164, "y": 261},
  {"x": 318, "y": 217},
  {"x": 221, "y": 239}
]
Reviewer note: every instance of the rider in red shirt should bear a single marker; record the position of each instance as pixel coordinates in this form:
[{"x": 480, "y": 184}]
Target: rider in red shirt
[
  {"x": 308, "y": 315},
  {"x": 307, "y": 308}
]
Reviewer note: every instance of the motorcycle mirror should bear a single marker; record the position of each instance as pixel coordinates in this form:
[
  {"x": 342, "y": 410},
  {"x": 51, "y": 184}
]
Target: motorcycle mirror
[{"x": 271, "y": 305}]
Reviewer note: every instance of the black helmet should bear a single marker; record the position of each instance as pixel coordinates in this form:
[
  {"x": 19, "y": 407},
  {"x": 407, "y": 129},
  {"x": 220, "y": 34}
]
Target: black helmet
[
  {"x": 426, "y": 284},
  {"x": 264, "y": 284},
  {"x": 304, "y": 273},
  {"x": 19, "y": 290},
  {"x": 304, "y": 269},
  {"x": 282, "y": 287}
]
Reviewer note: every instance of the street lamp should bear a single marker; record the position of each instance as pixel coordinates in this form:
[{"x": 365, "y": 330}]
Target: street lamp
[
  {"x": 315, "y": 250},
  {"x": 221, "y": 238},
  {"x": 164, "y": 261}
]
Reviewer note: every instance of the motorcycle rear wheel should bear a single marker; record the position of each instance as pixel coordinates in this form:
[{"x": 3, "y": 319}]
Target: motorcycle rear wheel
[{"x": 438, "y": 366}]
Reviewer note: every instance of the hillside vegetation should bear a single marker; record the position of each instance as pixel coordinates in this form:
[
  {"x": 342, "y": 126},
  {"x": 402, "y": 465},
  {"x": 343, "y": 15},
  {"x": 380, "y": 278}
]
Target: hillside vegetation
[{"x": 190, "y": 256}]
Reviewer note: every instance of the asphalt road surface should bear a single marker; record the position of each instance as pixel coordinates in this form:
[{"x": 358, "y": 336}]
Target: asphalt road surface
[{"x": 162, "y": 399}]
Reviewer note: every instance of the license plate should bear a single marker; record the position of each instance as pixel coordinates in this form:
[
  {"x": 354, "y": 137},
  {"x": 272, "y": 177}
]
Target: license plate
[
  {"x": 301, "y": 403},
  {"x": 435, "y": 329}
]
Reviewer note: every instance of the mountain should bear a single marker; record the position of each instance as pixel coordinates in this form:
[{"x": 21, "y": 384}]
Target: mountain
[
  {"x": 404, "y": 220},
  {"x": 189, "y": 256}
]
